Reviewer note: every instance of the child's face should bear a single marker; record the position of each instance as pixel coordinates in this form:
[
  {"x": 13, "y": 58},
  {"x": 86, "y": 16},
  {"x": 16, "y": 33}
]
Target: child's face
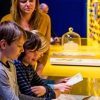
[
  {"x": 31, "y": 57},
  {"x": 13, "y": 51}
]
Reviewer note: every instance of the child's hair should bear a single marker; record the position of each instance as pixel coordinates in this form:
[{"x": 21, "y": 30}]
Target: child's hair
[
  {"x": 33, "y": 43},
  {"x": 10, "y": 31}
]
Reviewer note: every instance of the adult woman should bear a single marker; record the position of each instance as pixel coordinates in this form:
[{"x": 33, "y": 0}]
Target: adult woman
[{"x": 26, "y": 13}]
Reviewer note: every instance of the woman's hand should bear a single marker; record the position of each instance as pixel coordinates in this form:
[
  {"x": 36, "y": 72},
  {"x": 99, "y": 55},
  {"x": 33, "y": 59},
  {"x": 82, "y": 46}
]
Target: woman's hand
[{"x": 39, "y": 90}]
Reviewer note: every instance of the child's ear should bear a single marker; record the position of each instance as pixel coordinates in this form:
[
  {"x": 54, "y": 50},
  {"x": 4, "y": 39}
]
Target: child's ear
[{"x": 3, "y": 44}]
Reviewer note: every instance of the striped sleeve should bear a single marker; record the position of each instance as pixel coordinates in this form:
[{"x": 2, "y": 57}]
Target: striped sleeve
[{"x": 23, "y": 83}]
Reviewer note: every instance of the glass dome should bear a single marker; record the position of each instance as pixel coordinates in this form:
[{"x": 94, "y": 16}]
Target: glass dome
[{"x": 71, "y": 39}]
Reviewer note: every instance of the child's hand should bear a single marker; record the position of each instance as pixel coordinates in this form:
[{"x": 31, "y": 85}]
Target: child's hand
[
  {"x": 63, "y": 80},
  {"x": 62, "y": 87},
  {"x": 39, "y": 90}
]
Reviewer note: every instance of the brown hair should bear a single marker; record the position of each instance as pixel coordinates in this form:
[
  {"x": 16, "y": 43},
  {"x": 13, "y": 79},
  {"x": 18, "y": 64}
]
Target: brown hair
[
  {"x": 10, "y": 31},
  {"x": 15, "y": 11},
  {"x": 33, "y": 43}
]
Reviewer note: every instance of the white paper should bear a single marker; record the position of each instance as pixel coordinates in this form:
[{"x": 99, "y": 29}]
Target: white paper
[{"x": 75, "y": 79}]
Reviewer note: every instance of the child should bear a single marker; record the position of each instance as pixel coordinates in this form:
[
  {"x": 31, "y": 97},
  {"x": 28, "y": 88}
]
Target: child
[
  {"x": 29, "y": 82},
  {"x": 57, "y": 84},
  {"x": 12, "y": 38}
]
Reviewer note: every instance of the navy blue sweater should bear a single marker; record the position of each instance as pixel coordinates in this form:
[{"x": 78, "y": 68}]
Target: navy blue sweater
[{"x": 27, "y": 77}]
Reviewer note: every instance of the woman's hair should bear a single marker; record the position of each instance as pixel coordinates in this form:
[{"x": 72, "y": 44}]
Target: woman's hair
[
  {"x": 10, "y": 32},
  {"x": 16, "y": 14},
  {"x": 33, "y": 43}
]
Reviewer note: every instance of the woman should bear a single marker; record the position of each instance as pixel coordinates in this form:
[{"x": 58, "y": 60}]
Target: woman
[{"x": 27, "y": 14}]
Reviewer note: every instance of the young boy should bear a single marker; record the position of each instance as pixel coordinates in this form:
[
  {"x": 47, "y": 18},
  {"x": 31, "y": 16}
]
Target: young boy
[
  {"x": 28, "y": 80},
  {"x": 12, "y": 38}
]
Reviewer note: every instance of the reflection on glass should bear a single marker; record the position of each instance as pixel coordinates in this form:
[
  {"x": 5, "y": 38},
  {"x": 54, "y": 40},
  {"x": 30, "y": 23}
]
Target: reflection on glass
[{"x": 71, "y": 40}]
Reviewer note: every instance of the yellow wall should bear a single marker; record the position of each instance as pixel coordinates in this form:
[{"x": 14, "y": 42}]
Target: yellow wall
[{"x": 93, "y": 22}]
